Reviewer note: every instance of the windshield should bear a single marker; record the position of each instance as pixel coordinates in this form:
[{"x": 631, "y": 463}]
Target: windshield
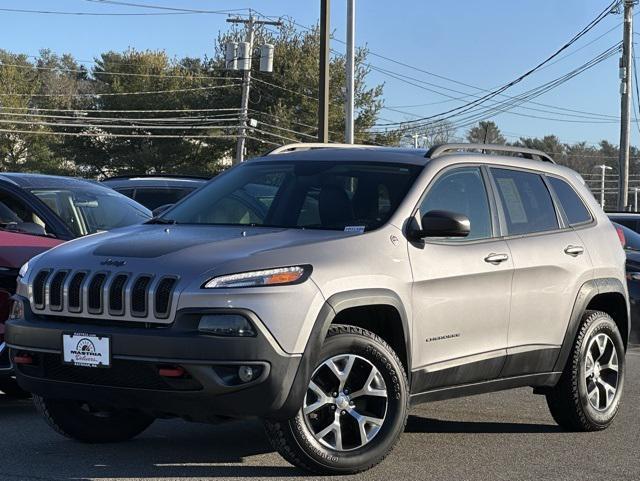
[
  {"x": 90, "y": 209},
  {"x": 333, "y": 195}
]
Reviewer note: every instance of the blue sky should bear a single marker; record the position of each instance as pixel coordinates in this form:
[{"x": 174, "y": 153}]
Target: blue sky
[{"x": 481, "y": 43}]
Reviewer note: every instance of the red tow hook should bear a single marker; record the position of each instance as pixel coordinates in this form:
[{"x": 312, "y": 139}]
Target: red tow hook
[
  {"x": 171, "y": 371},
  {"x": 23, "y": 358}
]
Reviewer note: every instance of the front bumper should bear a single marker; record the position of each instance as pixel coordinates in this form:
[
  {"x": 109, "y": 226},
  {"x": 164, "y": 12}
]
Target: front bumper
[{"x": 208, "y": 389}]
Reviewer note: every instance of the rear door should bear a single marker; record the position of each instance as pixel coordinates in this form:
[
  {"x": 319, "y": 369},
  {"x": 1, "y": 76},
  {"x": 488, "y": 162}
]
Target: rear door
[
  {"x": 461, "y": 287},
  {"x": 550, "y": 264}
]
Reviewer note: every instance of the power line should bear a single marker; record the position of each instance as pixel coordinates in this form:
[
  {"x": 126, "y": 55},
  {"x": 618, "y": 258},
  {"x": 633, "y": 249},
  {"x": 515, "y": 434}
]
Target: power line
[
  {"x": 162, "y": 7},
  {"x": 121, "y": 94}
]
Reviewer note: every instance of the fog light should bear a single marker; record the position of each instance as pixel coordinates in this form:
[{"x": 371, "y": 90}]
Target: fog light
[
  {"x": 228, "y": 325},
  {"x": 17, "y": 309},
  {"x": 246, "y": 373}
]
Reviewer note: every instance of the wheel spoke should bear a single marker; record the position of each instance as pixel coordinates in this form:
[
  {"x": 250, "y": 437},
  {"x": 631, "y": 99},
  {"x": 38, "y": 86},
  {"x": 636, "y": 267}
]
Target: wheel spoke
[
  {"x": 594, "y": 396},
  {"x": 368, "y": 389},
  {"x": 341, "y": 374},
  {"x": 601, "y": 343},
  {"x": 609, "y": 390},
  {"x": 374, "y": 425},
  {"x": 322, "y": 399},
  {"x": 334, "y": 428}
]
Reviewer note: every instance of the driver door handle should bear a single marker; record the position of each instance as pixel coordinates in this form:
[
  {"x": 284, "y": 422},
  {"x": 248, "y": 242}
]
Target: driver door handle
[
  {"x": 496, "y": 258},
  {"x": 574, "y": 250}
]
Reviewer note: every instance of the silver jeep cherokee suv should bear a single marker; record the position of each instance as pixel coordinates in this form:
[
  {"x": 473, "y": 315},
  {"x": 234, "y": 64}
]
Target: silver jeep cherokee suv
[{"x": 326, "y": 290}]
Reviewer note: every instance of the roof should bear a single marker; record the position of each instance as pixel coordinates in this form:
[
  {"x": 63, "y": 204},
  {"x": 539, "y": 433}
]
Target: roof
[
  {"x": 363, "y": 153},
  {"x": 35, "y": 181},
  {"x": 155, "y": 181}
]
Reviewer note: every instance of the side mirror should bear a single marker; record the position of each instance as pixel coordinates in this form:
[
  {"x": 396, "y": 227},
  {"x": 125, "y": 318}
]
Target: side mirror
[
  {"x": 159, "y": 210},
  {"x": 26, "y": 228},
  {"x": 442, "y": 223}
]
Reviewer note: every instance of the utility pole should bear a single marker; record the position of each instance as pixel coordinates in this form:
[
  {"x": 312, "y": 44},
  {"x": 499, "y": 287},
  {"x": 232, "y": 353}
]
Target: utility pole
[
  {"x": 245, "y": 60},
  {"x": 323, "y": 90},
  {"x": 625, "y": 105},
  {"x": 350, "y": 64},
  {"x": 604, "y": 168}
]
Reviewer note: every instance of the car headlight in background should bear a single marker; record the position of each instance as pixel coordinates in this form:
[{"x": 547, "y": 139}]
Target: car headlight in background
[
  {"x": 23, "y": 270},
  {"x": 17, "y": 309},
  {"x": 266, "y": 277}
]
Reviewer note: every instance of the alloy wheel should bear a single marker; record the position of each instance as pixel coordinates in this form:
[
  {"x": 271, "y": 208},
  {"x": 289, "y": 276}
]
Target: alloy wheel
[
  {"x": 601, "y": 372},
  {"x": 346, "y": 402}
]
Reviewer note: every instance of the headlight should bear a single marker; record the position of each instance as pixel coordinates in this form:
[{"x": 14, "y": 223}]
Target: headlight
[
  {"x": 267, "y": 277},
  {"x": 23, "y": 270}
]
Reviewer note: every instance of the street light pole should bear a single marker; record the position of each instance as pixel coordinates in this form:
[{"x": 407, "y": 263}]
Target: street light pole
[
  {"x": 604, "y": 168},
  {"x": 635, "y": 199},
  {"x": 350, "y": 74},
  {"x": 323, "y": 90},
  {"x": 625, "y": 104}
]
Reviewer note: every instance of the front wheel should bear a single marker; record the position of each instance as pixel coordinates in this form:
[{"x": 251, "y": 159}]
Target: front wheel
[
  {"x": 587, "y": 397},
  {"x": 91, "y": 424},
  {"x": 354, "y": 410}
]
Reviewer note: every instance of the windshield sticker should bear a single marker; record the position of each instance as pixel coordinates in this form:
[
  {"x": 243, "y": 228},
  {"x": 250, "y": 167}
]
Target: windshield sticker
[{"x": 355, "y": 228}]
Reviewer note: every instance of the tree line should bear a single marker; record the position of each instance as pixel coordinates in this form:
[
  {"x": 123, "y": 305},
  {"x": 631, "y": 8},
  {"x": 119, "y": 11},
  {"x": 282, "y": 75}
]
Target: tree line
[{"x": 143, "y": 112}]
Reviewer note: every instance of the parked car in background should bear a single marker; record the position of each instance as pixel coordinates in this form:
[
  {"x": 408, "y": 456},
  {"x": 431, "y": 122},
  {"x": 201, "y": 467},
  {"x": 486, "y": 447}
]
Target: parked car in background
[
  {"x": 38, "y": 212},
  {"x": 627, "y": 219},
  {"x": 155, "y": 191},
  {"x": 631, "y": 242}
]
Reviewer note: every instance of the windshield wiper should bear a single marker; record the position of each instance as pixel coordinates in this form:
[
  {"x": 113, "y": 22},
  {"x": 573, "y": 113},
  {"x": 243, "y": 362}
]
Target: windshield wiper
[{"x": 160, "y": 220}]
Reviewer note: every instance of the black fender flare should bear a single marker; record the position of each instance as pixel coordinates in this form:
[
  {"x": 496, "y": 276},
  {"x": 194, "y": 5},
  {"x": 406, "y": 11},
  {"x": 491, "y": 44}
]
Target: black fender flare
[
  {"x": 587, "y": 292},
  {"x": 329, "y": 310}
]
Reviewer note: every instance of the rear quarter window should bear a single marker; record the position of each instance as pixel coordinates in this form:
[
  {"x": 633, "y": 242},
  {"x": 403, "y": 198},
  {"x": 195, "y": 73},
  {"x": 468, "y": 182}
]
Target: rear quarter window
[{"x": 572, "y": 204}]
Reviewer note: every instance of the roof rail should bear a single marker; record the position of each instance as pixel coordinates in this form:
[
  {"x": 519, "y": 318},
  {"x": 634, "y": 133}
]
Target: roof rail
[
  {"x": 439, "y": 150},
  {"x": 315, "y": 145}
]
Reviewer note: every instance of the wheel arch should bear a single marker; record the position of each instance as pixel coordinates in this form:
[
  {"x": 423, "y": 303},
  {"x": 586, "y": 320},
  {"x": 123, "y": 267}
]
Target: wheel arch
[
  {"x": 336, "y": 309},
  {"x": 606, "y": 294}
]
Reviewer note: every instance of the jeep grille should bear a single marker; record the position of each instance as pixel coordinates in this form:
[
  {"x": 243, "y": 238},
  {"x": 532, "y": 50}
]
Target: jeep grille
[{"x": 108, "y": 295}]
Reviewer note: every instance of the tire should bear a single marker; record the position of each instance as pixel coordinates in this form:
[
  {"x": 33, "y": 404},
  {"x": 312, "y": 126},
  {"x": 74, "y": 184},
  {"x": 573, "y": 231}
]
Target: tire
[
  {"x": 375, "y": 369},
  {"x": 79, "y": 421},
  {"x": 9, "y": 386},
  {"x": 570, "y": 402}
]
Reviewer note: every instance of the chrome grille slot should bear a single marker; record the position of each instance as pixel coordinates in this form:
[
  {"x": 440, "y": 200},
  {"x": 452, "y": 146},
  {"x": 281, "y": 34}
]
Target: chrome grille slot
[
  {"x": 140, "y": 296},
  {"x": 164, "y": 291},
  {"x": 74, "y": 293},
  {"x": 117, "y": 294},
  {"x": 39, "y": 284},
  {"x": 94, "y": 294},
  {"x": 56, "y": 290}
]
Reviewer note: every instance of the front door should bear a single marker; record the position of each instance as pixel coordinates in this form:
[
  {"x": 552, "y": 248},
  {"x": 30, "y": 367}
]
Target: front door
[{"x": 461, "y": 288}]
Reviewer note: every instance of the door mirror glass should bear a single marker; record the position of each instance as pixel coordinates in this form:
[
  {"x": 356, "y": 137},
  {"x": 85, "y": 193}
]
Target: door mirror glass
[
  {"x": 26, "y": 228},
  {"x": 442, "y": 223}
]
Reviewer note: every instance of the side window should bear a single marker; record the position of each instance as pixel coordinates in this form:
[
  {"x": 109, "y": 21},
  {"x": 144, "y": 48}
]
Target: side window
[
  {"x": 15, "y": 211},
  {"x": 526, "y": 201},
  {"x": 571, "y": 203},
  {"x": 462, "y": 191}
]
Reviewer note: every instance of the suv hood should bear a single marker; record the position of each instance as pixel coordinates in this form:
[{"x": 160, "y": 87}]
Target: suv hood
[{"x": 176, "y": 248}]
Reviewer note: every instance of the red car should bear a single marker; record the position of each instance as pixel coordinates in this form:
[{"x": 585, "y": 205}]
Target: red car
[{"x": 38, "y": 212}]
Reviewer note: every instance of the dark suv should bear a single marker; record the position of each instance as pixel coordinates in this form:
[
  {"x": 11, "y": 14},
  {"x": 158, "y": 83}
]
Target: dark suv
[{"x": 154, "y": 191}]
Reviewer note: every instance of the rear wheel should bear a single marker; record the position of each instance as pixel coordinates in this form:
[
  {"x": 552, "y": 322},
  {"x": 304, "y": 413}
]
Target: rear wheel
[
  {"x": 91, "y": 424},
  {"x": 587, "y": 397},
  {"x": 355, "y": 408}
]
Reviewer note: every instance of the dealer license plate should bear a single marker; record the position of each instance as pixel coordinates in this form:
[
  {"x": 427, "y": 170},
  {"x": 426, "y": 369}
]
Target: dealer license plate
[{"x": 87, "y": 350}]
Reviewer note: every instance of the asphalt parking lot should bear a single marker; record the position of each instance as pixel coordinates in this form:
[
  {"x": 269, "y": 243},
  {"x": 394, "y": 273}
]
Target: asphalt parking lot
[{"x": 501, "y": 436}]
